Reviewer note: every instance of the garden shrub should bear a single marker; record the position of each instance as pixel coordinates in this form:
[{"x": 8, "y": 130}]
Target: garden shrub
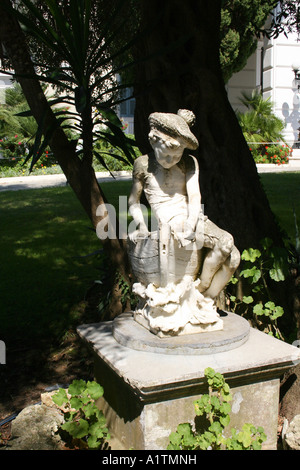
[
  {"x": 278, "y": 154},
  {"x": 263, "y": 130}
]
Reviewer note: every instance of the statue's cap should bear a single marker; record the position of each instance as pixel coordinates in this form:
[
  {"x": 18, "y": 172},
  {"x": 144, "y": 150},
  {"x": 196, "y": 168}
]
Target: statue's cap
[{"x": 176, "y": 125}]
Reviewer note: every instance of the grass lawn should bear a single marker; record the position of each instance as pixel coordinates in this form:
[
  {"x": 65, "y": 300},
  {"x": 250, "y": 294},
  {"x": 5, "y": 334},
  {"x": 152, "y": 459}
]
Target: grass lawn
[
  {"x": 45, "y": 240},
  {"x": 45, "y": 270},
  {"x": 283, "y": 191}
]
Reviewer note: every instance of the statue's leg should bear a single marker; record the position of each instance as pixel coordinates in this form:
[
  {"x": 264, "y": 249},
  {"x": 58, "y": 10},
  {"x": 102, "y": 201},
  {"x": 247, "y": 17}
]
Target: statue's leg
[
  {"x": 224, "y": 274},
  {"x": 221, "y": 246}
]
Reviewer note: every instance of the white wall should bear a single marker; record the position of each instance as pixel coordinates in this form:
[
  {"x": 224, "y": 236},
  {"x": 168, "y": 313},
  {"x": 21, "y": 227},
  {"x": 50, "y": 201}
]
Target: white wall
[
  {"x": 277, "y": 81},
  {"x": 284, "y": 52},
  {"x": 246, "y": 80}
]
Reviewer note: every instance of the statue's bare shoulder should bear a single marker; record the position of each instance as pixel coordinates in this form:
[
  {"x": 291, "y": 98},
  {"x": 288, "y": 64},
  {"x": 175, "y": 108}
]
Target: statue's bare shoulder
[{"x": 140, "y": 167}]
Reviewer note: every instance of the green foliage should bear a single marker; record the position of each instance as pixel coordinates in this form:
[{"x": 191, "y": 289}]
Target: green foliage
[
  {"x": 112, "y": 158},
  {"x": 83, "y": 74},
  {"x": 83, "y": 419},
  {"x": 15, "y": 131},
  {"x": 262, "y": 130},
  {"x": 275, "y": 153},
  {"x": 259, "y": 123},
  {"x": 260, "y": 268},
  {"x": 215, "y": 407},
  {"x": 240, "y": 22}
]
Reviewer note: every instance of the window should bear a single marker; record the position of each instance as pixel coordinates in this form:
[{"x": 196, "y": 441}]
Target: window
[{"x": 127, "y": 107}]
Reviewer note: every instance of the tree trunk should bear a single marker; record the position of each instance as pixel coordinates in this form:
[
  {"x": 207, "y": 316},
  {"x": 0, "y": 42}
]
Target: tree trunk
[
  {"x": 189, "y": 76},
  {"x": 80, "y": 174}
]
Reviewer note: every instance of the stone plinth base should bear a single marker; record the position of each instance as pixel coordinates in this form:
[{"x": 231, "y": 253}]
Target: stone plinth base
[
  {"x": 234, "y": 332},
  {"x": 188, "y": 329},
  {"x": 147, "y": 394}
]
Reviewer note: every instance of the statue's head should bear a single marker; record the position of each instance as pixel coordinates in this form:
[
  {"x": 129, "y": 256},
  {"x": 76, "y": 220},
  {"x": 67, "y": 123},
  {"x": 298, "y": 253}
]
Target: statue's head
[
  {"x": 170, "y": 125},
  {"x": 170, "y": 135}
]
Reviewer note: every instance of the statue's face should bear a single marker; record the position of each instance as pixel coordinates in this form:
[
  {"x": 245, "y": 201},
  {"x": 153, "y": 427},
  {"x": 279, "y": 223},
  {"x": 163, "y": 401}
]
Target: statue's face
[{"x": 168, "y": 150}]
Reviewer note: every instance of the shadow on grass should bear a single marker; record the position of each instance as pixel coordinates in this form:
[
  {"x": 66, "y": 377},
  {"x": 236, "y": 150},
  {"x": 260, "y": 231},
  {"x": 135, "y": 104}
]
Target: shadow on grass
[{"x": 45, "y": 237}]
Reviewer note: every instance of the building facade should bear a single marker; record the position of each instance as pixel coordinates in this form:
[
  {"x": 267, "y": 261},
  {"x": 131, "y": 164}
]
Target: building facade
[{"x": 271, "y": 71}]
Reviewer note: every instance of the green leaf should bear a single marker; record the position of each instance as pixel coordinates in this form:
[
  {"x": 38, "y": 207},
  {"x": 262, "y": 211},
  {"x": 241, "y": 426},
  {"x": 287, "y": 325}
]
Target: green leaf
[
  {"x": 244, "y": 437},
  {"x": 75, "y": 403},
  {"x": 93, "y": 442},
  {"x": 205, "y": 440},
  {"x": 97, "y": 430},
  {"x": 256, "y": 445},
  {"x": 248, "y": 299},
  {"x": 77, "y": 430},
  {"x": 184, "y": 429},
  {"x": 225, "y": 408},
  {"x": 225, "y": 420},
  {"x": 258, "y": 309},
  {"x": 277, "y": 274},
  {"x": 250, "y": 255},
  {"x": 253, "y": 272},
  {"x": 266, "y": 243},
  {"x": 95, "y": 390},
  {"x": 175, "y": 439},
  {"x": 77, "y": 387},
  {"x": 60, "y": 397},
  {"x": 270, "y": 305},
  {"x": 277, "y": 312},
  {"x": 215, "y": 402},
  {"x": 216, "y": 427},
  {"x": 89, "y": 410},
  {"x": 110, "y": 115}
]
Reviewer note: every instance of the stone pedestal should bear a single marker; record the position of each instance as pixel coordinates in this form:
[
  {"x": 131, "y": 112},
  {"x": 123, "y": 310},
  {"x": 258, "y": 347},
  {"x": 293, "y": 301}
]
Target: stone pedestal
[{"x": 149, "y": 389}]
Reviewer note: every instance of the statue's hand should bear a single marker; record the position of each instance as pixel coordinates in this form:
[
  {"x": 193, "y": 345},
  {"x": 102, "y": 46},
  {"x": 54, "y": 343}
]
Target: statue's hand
[
  {"x": 186, "y": 237},
  {"x": 139, "y": 234}
]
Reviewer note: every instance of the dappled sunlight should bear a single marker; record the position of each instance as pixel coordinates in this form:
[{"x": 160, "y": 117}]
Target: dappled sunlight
[{"x": 43, "y": 248}]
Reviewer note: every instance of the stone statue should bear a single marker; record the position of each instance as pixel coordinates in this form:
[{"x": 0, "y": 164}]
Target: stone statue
[{"x": 181, "y": 267}]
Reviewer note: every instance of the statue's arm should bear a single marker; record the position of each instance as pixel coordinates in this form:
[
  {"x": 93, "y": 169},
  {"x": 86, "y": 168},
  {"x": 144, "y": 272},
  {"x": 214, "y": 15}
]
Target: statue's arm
[
  {"x": 135, "y": 209},
  {"x": 193, "y": 192}
]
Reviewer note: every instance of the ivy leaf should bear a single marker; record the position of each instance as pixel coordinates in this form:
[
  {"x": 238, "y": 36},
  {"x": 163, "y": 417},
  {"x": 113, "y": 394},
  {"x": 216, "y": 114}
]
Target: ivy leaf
[
  {"x": 175, "y": 441},
  {"x": 76, "y": 403},
  {"x": 60, "y": 397},
  {"x": 216, "y": 427},
  {"x": 244, "y": 437},
  {"x": 225, "y": 408},
  {"x": 93, "y": 442},
  {"x": 225, "y": 420},
  {"x": 277, "y": 312},
  {"x": 95, "y": 390},
  {"x": 184, "y": 429},
  {"x": 248, "y": 299},
  {"x": 277, "y": 274},
  {"x": 89, "y": 410},
  {"x": 256, "y": 445},
  {"x": 250, "y": 255},
  {"x": 77, "y": 387},
  {"x": 215, "y": 402},
  {"x": 258, "y": 309},
  {"x": 97, "y": 430},
  {"x": 77, "y": 430},
  {"x": 266, "y": 243},
  {"x": 253, "y": 272}
]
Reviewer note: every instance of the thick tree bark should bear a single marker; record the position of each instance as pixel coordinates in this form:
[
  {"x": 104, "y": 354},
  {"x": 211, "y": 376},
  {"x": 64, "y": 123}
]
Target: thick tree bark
[
  {"x": 80, "y": 174},
  {"x": 189, "y": 76}
]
